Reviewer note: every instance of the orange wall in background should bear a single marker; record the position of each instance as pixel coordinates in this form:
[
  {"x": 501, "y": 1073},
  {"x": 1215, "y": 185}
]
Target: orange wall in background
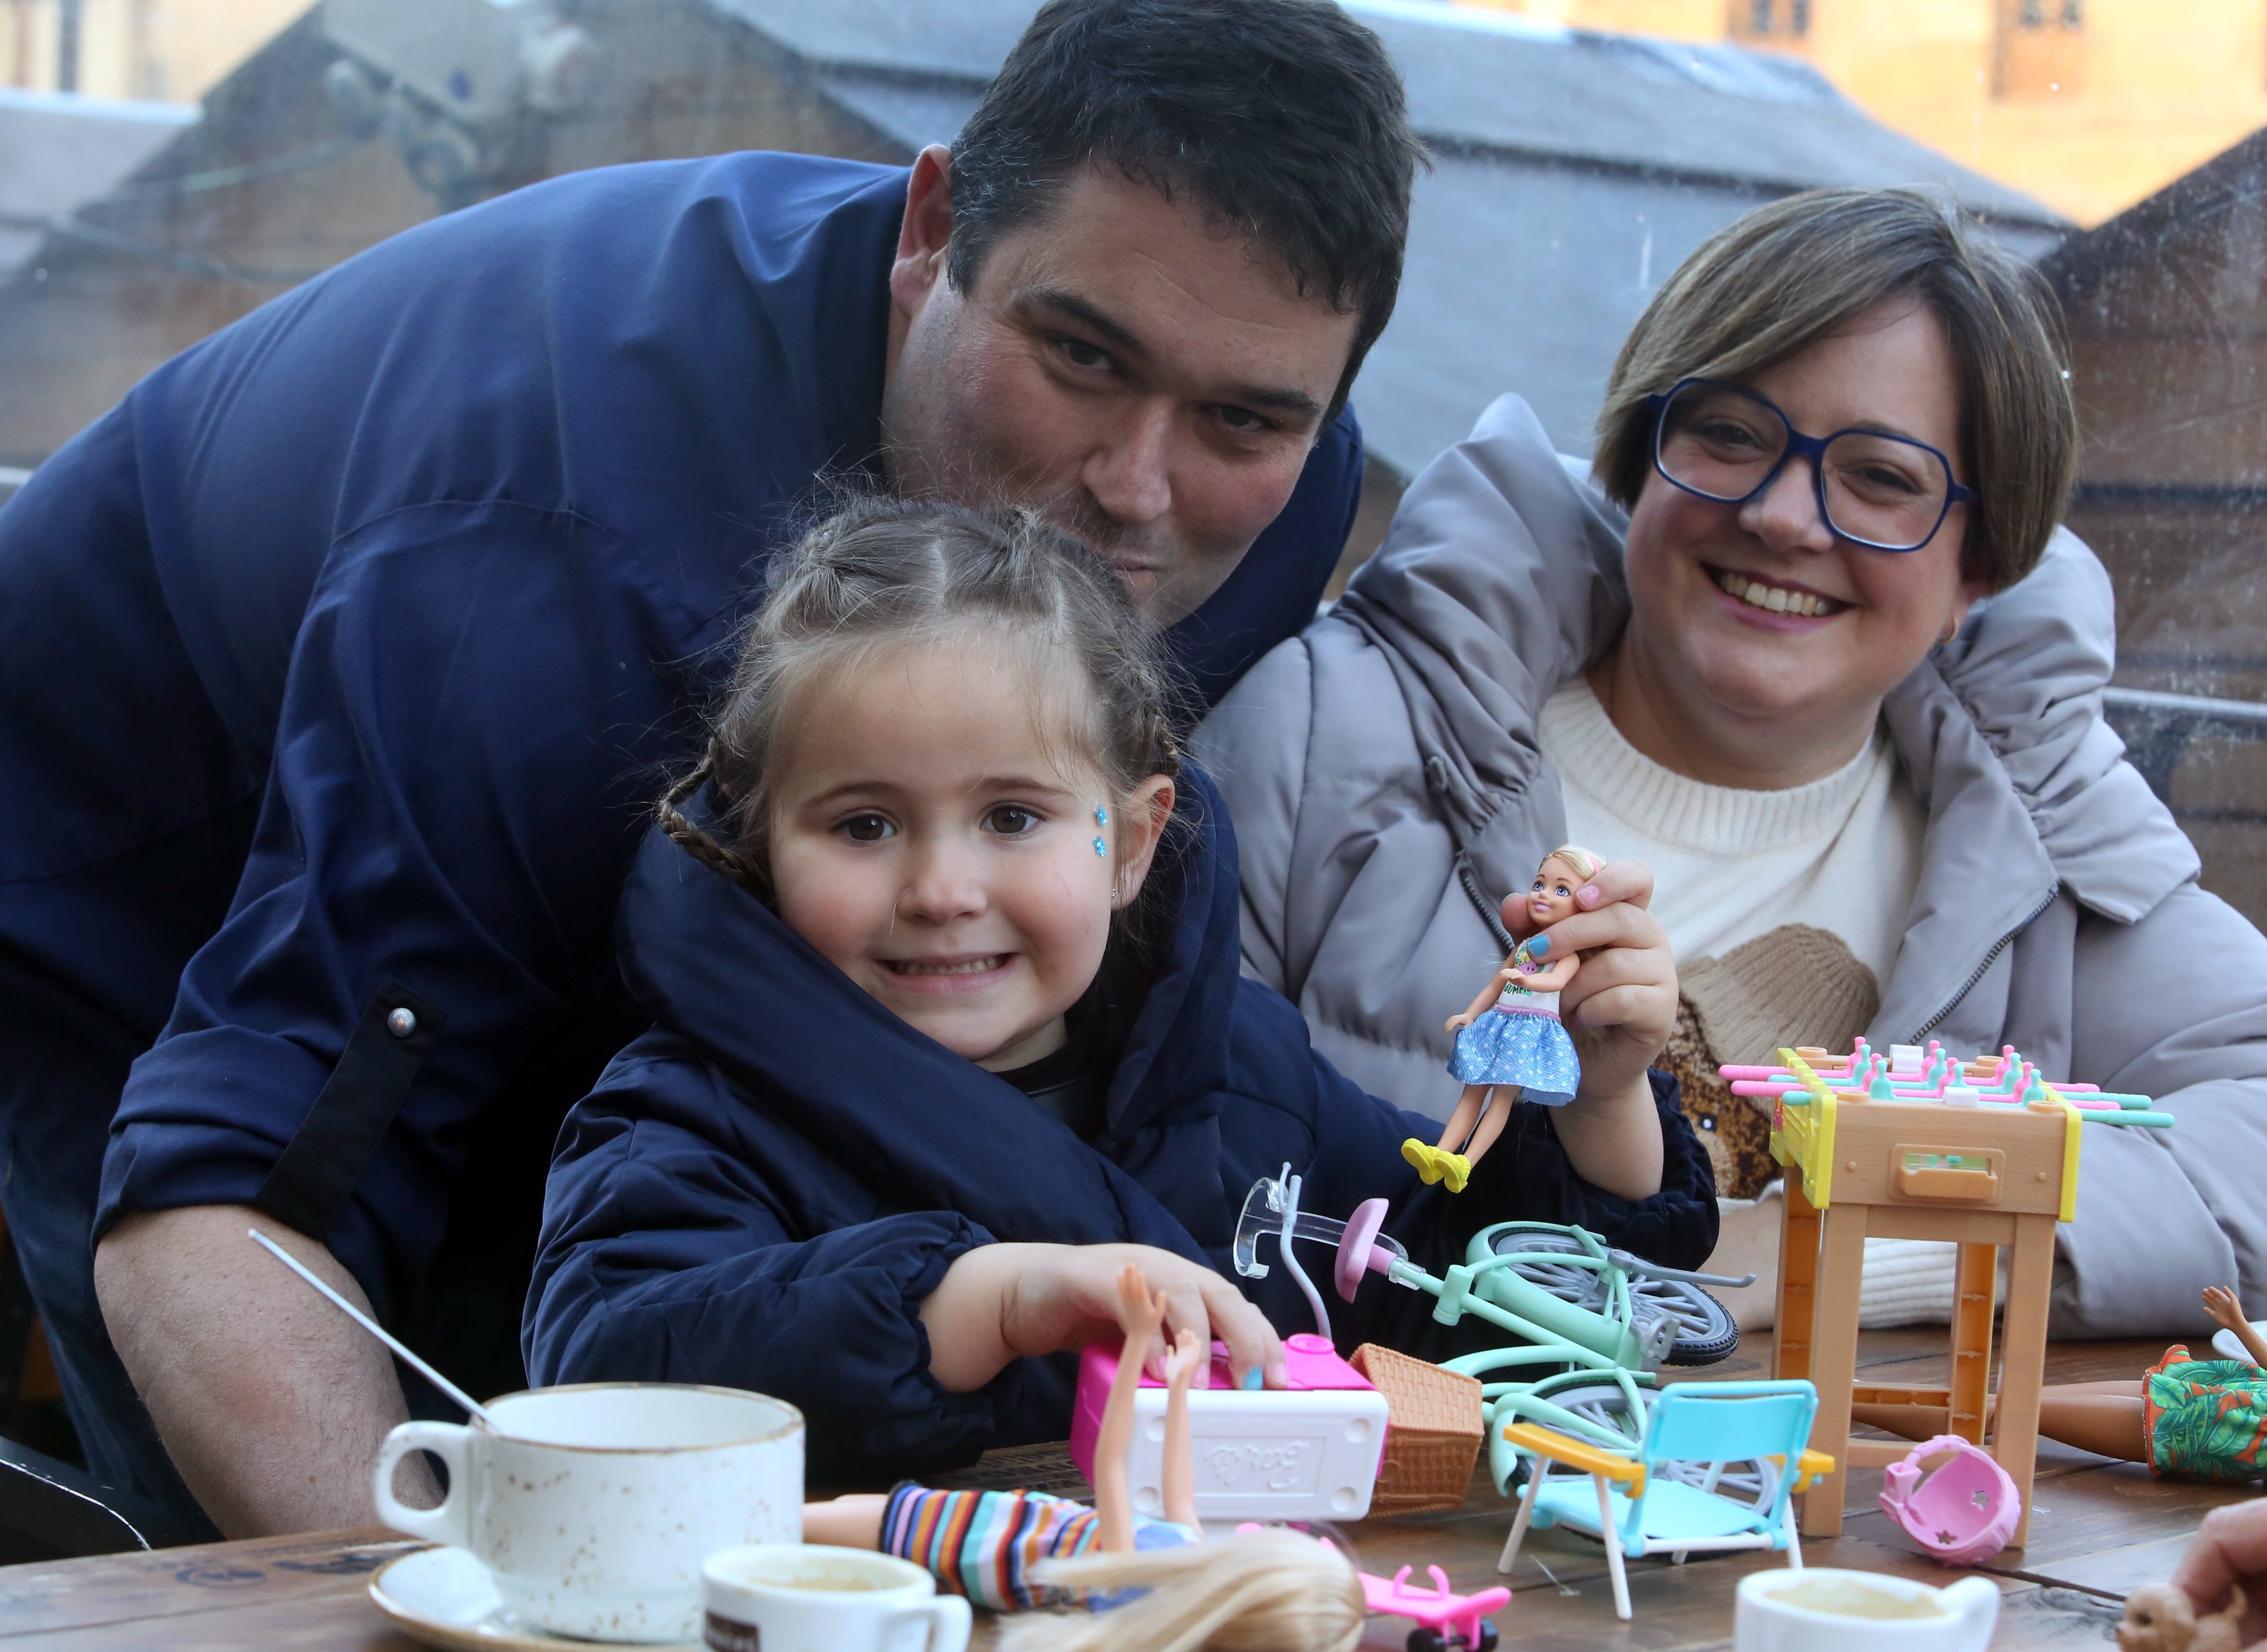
[{"x": 2087, "y": 105}]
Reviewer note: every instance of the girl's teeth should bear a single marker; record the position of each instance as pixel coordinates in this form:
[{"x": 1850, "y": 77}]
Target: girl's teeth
[
  {"x": 975, "y": 966},
  {"x": 1777, "y": 599}
]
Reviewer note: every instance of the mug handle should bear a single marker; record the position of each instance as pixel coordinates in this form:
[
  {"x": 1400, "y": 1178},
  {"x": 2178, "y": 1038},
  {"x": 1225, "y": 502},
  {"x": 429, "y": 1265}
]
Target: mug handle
[
  {"x": 450, "y": 1524},
  {"x": 947, "y": 1617}
]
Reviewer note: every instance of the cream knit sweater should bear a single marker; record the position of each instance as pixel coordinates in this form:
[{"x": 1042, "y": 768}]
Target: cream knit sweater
[{"x": 1777, "y": 877}]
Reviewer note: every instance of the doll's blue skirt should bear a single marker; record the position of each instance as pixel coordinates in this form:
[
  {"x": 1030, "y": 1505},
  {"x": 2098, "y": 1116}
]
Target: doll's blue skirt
[{"x": 1519, "y": 1047}]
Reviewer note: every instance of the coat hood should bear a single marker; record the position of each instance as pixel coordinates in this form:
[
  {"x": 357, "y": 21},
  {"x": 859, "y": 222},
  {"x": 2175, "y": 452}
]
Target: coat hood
[{"x": 795, "y": 1038}]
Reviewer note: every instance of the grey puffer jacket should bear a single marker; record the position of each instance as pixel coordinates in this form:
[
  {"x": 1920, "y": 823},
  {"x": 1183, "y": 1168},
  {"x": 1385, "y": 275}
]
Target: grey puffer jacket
[{"x": 1385, "y": 760}]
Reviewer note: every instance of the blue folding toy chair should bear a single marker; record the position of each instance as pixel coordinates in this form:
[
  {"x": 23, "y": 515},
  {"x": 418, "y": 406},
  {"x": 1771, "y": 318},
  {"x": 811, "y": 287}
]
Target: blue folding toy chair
[{"x": 1662, "y": 1506}]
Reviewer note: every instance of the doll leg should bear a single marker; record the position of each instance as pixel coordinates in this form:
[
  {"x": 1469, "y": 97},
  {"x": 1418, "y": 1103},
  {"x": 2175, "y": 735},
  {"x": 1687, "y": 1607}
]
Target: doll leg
[
  {"x": 2102, "y": 1417},
  {"x": 1456, "y": 1168},
  {"x": 1492, "y": 1120},
  {"x": 1470, "y": 1106},
  {"x": 1439, "y": 1159},
  {"x": 848, "y": 1523},
  {"x": 2109, "y": 1424},
  {"x": 1179, "y": 1487}
]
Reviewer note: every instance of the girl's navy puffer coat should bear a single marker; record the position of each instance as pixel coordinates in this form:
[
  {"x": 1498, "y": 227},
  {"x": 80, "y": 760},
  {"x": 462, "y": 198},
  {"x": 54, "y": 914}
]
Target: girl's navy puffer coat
[{"x": 761, "y": 1191}]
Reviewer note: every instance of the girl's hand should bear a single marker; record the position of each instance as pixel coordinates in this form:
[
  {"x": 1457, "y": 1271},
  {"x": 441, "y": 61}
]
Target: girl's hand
[
  {"x": 1621, "y": 1004},
  {"x": 2221, "y": 1303},
  {"x": 1457, "y": 1023},
  {"x": 998, "y": 1303}
]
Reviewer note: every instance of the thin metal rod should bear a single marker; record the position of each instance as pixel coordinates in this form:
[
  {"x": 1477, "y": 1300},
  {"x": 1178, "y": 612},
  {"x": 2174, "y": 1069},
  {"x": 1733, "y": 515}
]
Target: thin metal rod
[{"x": 371, "y": 1325}]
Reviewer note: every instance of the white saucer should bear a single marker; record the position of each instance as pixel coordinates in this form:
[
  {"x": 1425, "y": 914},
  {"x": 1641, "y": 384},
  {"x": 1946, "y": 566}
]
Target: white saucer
[
  {"x": 446, "y": 1598},
  {"x": 2225, "y": 1345}
]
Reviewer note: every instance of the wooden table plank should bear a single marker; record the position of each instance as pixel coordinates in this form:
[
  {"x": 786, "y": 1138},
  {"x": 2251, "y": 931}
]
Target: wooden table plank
[{"x": 166, "y": 1584}]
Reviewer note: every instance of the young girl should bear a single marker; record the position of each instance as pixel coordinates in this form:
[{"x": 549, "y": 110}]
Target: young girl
[
  {"x": 1509, "y": 1038},
  {"x": 940, "y": 941}
]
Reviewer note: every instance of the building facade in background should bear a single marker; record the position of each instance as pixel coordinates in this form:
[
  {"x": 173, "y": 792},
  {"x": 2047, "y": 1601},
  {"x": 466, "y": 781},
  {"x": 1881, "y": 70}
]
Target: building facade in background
[
  {"x": 167, "y": 51},
  {"x": 2087, "y": 105}
]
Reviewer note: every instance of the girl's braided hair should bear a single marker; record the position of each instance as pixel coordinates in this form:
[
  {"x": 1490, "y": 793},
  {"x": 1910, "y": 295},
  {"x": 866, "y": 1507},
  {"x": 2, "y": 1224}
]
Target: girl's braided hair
[{"x": 881, "y": 573}]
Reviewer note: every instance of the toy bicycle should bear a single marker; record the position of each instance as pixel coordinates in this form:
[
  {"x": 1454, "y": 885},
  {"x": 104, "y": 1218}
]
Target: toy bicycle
[{"x": 1594, "y": 1323}]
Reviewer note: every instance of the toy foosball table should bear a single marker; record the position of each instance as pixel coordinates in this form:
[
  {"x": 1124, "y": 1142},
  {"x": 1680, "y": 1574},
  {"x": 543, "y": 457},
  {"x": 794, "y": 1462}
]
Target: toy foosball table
[{"x": 1915, "y": 1144}]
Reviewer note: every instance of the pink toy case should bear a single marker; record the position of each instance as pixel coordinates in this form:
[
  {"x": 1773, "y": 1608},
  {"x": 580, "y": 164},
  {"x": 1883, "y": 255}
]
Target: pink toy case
[
  {"x": 1307, "y": 1452},
  {"x": 1963, "y": 1511}
]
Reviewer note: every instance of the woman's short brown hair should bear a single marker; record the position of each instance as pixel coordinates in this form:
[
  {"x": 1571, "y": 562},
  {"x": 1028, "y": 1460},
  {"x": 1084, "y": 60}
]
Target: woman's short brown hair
[{"x": 1767, "y": 287}]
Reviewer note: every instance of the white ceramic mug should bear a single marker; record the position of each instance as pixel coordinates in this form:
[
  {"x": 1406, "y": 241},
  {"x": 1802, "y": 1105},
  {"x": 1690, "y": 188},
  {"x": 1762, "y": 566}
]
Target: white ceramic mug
[
  {"x": 593, "y": 1506},
  {"x": 812, "y": 1598},
  {"x": 1763, "y": 1622}
]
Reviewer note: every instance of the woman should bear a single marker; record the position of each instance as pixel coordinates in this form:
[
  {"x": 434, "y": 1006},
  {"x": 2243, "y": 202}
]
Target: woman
[{"x": 1843, "y": 695}]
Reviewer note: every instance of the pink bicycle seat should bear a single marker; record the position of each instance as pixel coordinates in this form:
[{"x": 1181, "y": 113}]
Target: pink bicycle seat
[{"x": 1963, "y": 1511}]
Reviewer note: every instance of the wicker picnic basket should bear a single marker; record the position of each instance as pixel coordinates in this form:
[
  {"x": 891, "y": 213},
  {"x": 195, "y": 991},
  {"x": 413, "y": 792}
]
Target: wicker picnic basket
[{"x": 1434, "y": 1437}]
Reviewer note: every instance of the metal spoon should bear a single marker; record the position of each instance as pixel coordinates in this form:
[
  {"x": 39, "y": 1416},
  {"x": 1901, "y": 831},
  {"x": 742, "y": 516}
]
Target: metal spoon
[{"x": 371, "y": 1325}]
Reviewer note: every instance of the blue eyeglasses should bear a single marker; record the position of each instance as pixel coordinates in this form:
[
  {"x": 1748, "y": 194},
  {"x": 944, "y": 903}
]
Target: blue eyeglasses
[{"x": 1720, "y": 442}]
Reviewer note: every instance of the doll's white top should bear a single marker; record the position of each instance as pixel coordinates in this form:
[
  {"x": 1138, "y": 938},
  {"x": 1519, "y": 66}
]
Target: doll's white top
[{"x": 1514, "y": 998}]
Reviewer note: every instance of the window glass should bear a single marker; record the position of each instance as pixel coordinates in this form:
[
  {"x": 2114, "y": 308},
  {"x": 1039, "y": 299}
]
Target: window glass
[{"x": 166, "y": 165}]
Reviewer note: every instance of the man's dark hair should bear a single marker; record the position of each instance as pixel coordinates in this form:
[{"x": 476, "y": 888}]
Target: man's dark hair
[{"x": 1284, "y": 118}]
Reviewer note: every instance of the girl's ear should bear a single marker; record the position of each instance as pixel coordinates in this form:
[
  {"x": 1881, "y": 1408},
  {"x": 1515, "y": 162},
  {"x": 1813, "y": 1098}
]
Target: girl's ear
[{"x": 1141, "y": 820}]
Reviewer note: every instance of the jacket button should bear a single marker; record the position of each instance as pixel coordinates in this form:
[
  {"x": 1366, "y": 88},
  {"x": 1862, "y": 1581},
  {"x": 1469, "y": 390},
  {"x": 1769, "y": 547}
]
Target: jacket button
[{"x": 401, "y": 1022}]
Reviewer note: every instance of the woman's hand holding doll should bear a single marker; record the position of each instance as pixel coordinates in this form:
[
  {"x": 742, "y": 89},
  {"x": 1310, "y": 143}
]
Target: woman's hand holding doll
[
  {"x": 1620, "y": 1005},
  {"x": 1516, "y": 1040}
]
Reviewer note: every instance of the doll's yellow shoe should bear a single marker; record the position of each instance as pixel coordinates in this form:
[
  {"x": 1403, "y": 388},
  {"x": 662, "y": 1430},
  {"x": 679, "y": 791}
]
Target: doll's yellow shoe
[
  {"x": 1425, "y": 1157},
  {"x": 1455, "y": 1169}
]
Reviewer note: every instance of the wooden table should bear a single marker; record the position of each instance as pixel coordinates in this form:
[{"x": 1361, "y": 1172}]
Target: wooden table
[{"x": 2100, "y": 1528}]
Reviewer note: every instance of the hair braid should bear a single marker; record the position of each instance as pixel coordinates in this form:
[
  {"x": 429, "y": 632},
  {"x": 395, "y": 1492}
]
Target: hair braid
[{"x": 701, "y": 845}]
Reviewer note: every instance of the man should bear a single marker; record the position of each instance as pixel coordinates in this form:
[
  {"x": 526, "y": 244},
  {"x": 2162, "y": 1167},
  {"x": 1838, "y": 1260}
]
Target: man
[{"x": 339, "y": 663}]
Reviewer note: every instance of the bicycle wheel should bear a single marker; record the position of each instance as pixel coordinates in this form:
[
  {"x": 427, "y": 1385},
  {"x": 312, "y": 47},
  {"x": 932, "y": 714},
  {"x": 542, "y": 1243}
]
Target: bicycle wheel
[
  {"x": 1704, "y": 1331},
  {"x": 1601, "y": 1403},
  {"x": 1584, "y": 1287}
]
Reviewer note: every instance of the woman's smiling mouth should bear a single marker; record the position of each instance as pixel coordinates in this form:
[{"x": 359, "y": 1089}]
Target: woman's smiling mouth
[{"x": 1777, "y": 599}]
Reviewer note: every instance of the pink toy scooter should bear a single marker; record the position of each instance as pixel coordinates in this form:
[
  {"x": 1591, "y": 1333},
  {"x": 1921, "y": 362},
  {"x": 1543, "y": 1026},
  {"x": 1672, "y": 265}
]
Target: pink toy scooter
[
  {"x": 1963, "y": 1511},
  {"x": 1447, "y": 1621}
]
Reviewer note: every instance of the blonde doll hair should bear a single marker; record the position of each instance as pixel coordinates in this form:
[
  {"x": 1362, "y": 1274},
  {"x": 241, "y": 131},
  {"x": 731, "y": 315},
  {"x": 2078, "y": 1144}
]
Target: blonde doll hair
[
  {"x": 1256, "y": 1591},
  {"x": 1585, "y": 864}
]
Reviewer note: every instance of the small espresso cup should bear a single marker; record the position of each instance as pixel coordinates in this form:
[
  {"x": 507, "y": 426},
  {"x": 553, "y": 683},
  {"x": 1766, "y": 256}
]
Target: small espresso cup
[
  {"x": 1820, "y": 1606},
  {"x": 592, "y": 1506},
  {"x": 812, "y": 1597}
]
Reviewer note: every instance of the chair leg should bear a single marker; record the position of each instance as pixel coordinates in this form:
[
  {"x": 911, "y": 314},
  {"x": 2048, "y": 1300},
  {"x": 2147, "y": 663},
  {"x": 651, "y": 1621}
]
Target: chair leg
[
  {"x": 1606, "y": 1530},
  {"x": 1793, "y": 1538},
  {"x": 1526, "y": 1516}
]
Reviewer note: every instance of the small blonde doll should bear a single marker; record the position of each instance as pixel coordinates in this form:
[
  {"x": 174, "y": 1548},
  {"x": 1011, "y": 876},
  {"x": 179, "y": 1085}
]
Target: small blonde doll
[
  {"x": 1509, "y": 1038},
  {"x": 1166, "y": 1586}
]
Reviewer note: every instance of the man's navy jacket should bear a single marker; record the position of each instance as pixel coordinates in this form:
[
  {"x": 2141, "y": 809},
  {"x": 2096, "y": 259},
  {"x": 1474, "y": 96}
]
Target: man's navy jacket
[
  {"x": 764, "y": 1187},
  {"x": 340, "y": 661}
]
